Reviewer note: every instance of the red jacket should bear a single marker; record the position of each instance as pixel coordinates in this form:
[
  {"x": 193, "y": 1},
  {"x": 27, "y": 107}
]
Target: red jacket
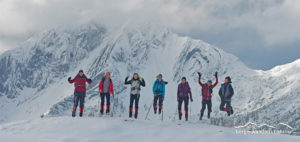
[
  {"x": 111, "y": 86},
  {"x": 80, "y": 83},
  {"x": 207, "y": 91}
]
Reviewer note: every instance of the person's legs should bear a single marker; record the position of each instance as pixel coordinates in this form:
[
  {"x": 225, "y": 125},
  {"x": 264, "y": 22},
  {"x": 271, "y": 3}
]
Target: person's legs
[
  {"x": 222, "y": 106},
  {"x": 186, "y": 107},
  {"x": 107, "y": 102},
  {"x": 228, "y": 108},
  {"x": 179, "y": 108},
  {"x": 155, "y": 103},
  {"x": 130, "y": 105},
  {"x": 76, "y": 100},
  {"x": 203, "y": 108},
  {"x": 102, "y": 96},
  {"x": 137, "y": 98},
  {"x": 160, "y": 103},
  {"x": 209, "y": 105},
  {"x": 81, "y": 99}
]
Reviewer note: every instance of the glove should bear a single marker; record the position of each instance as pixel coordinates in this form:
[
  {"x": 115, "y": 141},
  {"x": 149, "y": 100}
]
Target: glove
[
  {"x": 192, "y": 100},
  {"x": 69, "y": 79},
  {"x": 216, "y": 74},
  {"x": 199, "y": 74},
  {"x": 89, "y": 80}
]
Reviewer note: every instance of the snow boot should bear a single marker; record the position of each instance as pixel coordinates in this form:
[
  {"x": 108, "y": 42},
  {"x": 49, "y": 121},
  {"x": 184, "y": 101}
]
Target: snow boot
[
  {"x": 130, "y": 112},
  {"x": 228, "y": 113},
  {"x": 159, "y": 111},
  {"x": 186, "y": 117},
  {"x": 107, "y": 109},
  {"x": 231, "y": 112},
  {"x": 180, "y": 116},
  {"x": 81, "y": 112},
  {"x": 201, "y": 115},
  {"x": 73, "y": 113},
  {"x": 155, "y": 111},
  {"x": 101, "y": 112},
  {"x": 135, "y": 115},
  {"x": 208, "y": 115}
]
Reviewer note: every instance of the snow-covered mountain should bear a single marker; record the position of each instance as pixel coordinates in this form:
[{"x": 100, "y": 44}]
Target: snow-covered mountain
[{"x": 34, "y": 76}]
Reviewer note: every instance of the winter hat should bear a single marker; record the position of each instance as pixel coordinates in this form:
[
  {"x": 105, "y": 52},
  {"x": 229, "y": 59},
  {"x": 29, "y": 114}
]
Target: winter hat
[
  {"x": 159, "y": 75},
  {"x": 183, "y": 78},
  {"x": 209, "y": 81},
  {"x": 229, "y": 79},
  {"x": 81, "y": 71},
  {"x": 107, "y": 73}
]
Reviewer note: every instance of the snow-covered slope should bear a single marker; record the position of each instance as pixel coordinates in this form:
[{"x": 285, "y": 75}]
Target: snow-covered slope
[
  {"x": 33, "y": 79},
  {"x": 109, "y": 130}
]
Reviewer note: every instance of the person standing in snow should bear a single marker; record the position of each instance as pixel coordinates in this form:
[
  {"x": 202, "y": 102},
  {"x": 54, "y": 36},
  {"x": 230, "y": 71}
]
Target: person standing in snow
[
  {"x": 106, "y": 89},
  {"x": 159, "y": 93},
  {"x": 183, "y": 95},
  {"x": 207, "y": 90},
  {"x": 80, "y": 90},
  {"x": 226, "y": 92},
  {"x": 136, "y": 82}
]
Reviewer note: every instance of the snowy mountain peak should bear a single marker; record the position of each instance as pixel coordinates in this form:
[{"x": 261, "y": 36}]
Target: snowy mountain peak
[{"x": 34, "y": 76}]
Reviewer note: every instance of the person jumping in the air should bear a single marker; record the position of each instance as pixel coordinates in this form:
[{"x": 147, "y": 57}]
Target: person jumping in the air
[
  {"x": 226, "y": 92},
  {"x": 79, "y": 94},
  {"x": 183, "y": 95},
  {"x": 136, "y": 82},
  {"x": 159, "y": 93},
  {"x": 207, "y": 90},
  {"x": 106, "y": 89}
]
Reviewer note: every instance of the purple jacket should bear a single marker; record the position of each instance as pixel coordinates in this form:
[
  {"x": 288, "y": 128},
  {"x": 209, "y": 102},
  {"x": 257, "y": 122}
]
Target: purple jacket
[{"x": 184, "y": 90}]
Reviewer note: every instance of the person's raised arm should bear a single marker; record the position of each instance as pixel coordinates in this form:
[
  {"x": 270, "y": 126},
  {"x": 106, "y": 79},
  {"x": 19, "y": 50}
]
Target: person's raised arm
[
  {"x": 143, "y": 83},
  {"x": 72, "y": 80},
  {"x": 88, "y": 80},
  {"x": 216, "y": 75},
  {"x": 126, "y": 80},
  {"x": 199, "y": 79}
]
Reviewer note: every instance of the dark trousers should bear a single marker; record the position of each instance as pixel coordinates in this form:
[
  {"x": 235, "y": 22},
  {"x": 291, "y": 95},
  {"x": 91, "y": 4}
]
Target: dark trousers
[
  {"x": 206, "y": 103},
  {"x": 79, "y": 99},
  {"x": 159, "y": 99},
  {"x": 186, "y": 105},
  {"x": 103, "y": 96},
  {"x": 134, "y": 98},
  {"x": 228, "y": 107}
]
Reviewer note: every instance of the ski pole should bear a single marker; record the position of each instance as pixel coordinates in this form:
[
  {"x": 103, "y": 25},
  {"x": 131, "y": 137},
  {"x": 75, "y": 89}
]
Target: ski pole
[
  {"x": 99, "y": 100},
  {"x": 149, "y": 110},
  {"x": 162, "y": 115},
  {"x": 113, "y": 102},
  {"x": 191, "y": 109}
]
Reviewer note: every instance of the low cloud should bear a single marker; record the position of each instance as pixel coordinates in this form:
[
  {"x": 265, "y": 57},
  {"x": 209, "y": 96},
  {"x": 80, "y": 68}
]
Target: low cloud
[{"x": 234, "y": 25}]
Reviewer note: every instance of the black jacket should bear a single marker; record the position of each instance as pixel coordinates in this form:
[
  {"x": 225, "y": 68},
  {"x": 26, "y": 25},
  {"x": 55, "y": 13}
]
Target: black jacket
[{"x": 226, "y": 92}]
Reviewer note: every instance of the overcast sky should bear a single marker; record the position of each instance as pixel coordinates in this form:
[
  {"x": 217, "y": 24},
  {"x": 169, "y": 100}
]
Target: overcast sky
[{"x": 262, "y": 33}]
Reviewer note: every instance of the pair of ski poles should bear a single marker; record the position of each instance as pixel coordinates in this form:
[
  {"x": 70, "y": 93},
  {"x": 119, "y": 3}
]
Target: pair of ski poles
[{"x": 162, "y": 112}]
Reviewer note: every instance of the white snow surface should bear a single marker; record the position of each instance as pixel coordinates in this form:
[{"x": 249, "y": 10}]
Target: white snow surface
[{"x": 67, "y": 129}]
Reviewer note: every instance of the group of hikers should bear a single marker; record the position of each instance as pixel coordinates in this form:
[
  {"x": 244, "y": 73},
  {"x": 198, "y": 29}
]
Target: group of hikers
[{"x": 184, "y": 94}]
